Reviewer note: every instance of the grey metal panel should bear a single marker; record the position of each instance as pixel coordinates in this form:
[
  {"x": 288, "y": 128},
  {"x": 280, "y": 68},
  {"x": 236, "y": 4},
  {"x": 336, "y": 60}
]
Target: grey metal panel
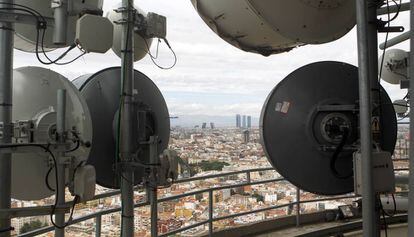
[
  {"x": 101, "y": 92},
  {"x": 290, "y": 141}
]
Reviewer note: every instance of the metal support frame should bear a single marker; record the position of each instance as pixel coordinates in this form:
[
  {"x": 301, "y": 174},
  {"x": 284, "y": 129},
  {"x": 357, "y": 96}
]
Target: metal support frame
[
  {"x": 396, "y": 40},
  {"x": 411, "y": 152},
  {"x": 6, "y": 91},
  {"x": 298, "y": 206},
  {"x": 210, "y": 213},
  {"x": 61, "y": 138},
  {"x": 98, "y": 225},
  {"x": 152, "y": 186},
  {"x": 127, "y": 108},
  {"x": 368, "y": 75}
]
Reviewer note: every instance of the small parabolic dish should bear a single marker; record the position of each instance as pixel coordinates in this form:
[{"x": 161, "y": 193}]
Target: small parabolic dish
[{"x": 141, "y": 45}]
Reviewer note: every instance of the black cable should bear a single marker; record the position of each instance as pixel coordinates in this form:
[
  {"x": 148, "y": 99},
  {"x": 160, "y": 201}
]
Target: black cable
[
  {"x": 398, "y": 10},
  {"x": 41, "y": 25},
  {"x": 46, "y": 148},
  {"x": 75, "y": 201},
  {"x": 28, "y": 8},
  {"x": 153, "y": 58},
  {"x": 335, "y": 155},
  {"x": 383, "y": 217},
  {"x": 394, "y": 206},
  {"x": 47, "y": 179}
]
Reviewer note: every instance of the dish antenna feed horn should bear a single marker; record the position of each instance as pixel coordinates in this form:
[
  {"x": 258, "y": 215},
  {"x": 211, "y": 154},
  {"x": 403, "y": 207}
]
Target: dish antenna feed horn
[{"x": 310, "y": 127}]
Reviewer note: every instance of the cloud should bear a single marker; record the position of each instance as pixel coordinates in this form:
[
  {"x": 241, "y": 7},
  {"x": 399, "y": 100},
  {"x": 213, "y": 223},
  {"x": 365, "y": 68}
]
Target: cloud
[{"x": 211, "y": 76}]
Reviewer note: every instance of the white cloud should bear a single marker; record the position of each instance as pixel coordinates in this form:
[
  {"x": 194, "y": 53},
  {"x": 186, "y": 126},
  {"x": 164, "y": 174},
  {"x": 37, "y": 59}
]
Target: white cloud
[{"x": 207, "y": 65}]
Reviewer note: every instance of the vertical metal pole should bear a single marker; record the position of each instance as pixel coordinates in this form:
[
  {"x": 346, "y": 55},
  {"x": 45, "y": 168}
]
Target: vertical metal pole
[
  {"x": 248, "y": 177},
  {"x": 210, "y": 213},
  {"x": 298, "y": 207},
  {"x": 98, "y": 226},
  {"x": 368, "y": 75},
  {"x": 6, "y": 91},
  {"x": 127, "y": 108},
  {"x": 60, "y": 130},
  {"x": 61, "y": 21},
  {"x": 152, "y": 187},
  {"x": 411, "y": 149}
]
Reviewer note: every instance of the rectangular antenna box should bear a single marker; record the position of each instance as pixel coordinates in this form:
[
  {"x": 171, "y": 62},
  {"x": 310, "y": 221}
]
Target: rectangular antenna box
[
  {"x": 383, "y": 172},
  {"x": 156, "y": 26}
]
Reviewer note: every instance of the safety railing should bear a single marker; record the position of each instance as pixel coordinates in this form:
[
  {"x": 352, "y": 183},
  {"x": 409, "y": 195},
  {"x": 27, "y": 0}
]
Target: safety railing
[{"x": 97, "y": 216}]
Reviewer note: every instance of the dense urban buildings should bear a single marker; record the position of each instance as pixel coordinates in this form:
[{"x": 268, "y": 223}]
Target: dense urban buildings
[{"x": 206, "y": 151}]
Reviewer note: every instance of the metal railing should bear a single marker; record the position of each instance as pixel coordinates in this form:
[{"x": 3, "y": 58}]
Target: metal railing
[{"x": 97, "y": 216}]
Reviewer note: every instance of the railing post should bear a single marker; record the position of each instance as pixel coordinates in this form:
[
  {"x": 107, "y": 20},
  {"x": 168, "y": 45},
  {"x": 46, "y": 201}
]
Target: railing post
[
  {"x": 411, "y": 144},
  {"x": 248, "y": 177},
  {"x": 210, "y": 213},
  {"x": 298, "y": 206},
  {"x": 98, "y": 225}
]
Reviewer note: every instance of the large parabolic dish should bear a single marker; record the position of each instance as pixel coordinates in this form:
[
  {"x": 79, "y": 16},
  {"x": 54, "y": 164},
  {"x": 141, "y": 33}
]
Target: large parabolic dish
[
  {"x": 303, "y": 122},
  {"x": 35, "y": 98},
  {"x": 102, "y": 94},
  {"x": 274, "y": 26}
]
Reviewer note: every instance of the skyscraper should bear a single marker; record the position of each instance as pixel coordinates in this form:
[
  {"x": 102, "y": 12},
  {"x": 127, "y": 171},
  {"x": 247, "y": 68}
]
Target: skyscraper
[
  {"x": 212, "y": 126},
  {"x": 238, "y": 121},
  {"x": 249, "y": 121},
  {"x": 244, "y": 125},
  {"x": 204, "y": 126}
]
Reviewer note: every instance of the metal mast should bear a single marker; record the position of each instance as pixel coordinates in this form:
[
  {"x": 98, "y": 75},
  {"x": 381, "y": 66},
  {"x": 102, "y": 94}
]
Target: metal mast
[
  {"x": 368, "y": 79},
  {"x": 6, "y": 91},
  {"x": 411, "y": 152},
  {"x": 127, "y": 108}
]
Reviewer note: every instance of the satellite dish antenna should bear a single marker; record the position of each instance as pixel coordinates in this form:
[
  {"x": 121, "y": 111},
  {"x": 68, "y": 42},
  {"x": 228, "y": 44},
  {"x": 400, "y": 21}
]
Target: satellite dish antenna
[
  {"x": 395, "y": 66},
  {"x": 304, "y": 121},
  {"x": 141, "y": 45},
  {"x": 26, "y": 35},
  {"x": 101, "y": 92},
  {"x": 34, "y": 98},
  {"x": 274, "y": 26}
]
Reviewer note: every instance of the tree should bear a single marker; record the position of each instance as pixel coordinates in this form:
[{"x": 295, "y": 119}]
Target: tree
[
  {"x": 258, "y": 197},
  {"x": 34, "y": 225}
]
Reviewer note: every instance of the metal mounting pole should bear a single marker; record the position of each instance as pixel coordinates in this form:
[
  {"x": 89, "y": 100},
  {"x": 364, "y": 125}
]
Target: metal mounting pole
[
  {"x": 6, "y": 91},
  {"x": 61, "y": 21},
  {"x": 60, "y": 130},
  {"x": 127, "y": 108},
  {"x": 368, "y": 76},
  {"x": 152, "y": 187},
  {"x": 411, "y": 152}
]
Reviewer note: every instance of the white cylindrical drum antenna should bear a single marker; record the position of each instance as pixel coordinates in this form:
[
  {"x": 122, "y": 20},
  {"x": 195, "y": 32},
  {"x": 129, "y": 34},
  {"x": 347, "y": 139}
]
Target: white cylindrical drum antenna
[
  {"x": 394, "y": 66},
  {"x": 274, "y": 26}
]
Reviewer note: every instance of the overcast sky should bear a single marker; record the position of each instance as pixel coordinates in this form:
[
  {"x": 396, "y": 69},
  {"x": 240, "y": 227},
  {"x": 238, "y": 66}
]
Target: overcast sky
[{"x": 212, "y": 77}]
